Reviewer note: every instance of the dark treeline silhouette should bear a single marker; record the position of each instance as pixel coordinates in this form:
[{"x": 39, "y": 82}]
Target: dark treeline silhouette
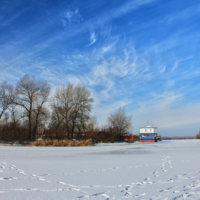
[
  {"x": 27, "y": 113},
  {"x": 178, "y": 138}
]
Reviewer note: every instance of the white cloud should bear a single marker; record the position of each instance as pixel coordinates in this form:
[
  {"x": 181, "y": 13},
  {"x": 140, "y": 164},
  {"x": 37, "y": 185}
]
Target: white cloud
[
  {"x": 175, "y": 66},
  {"x": 93, "y": 38},
  {"x": 7, "y": 22},
  {"x": 103, "y": 111},
  {"x": 184, "y": 14},
  {"x": 163, "y": 69},
  {"x": 165, "y": 112},
  {"x": 71, "y": 17}
]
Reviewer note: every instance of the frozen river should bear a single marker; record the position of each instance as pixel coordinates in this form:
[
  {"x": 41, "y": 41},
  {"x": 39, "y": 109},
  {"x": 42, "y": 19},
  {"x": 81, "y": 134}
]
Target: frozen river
[{"x": 163, "y": 170}]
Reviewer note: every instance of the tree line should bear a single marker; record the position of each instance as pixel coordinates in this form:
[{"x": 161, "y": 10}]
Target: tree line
[{"x": 29, "y": 111}]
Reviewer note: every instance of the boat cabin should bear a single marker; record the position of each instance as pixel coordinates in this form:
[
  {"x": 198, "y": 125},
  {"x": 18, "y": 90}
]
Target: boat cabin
[{"x": 148, "y": 134}]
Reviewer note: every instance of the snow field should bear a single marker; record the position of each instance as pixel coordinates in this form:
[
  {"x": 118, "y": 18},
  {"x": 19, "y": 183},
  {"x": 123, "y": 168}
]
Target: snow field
[{"x": 163, "y": 170}]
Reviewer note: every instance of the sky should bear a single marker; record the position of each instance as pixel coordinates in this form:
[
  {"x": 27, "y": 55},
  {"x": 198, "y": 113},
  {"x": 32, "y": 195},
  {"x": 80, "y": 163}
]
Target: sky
[{"x": 143, "y": 55}]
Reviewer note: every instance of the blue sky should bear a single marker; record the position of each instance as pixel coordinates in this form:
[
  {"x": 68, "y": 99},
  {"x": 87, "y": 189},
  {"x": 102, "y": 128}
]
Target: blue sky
[{"x": 140, "y": 54}]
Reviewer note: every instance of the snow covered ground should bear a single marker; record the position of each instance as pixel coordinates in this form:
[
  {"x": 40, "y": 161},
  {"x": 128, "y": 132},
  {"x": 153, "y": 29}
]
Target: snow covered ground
[{"x": 163, "y": 170}]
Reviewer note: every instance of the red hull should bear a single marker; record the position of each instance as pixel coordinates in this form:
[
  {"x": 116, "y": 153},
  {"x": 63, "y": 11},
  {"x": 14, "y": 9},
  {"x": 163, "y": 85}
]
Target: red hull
[{"x": 148, "y": 140}]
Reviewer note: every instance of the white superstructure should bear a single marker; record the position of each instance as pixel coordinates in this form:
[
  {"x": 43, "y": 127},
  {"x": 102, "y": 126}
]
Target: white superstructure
[{"x": 148, "y": 129}]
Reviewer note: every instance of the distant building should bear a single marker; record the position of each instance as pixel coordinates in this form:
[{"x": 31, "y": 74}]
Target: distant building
[{"x": 148, "y": 134}]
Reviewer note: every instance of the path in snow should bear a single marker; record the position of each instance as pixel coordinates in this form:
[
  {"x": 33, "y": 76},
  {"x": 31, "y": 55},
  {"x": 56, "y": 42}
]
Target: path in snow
[{"x": 164, "y": 170}]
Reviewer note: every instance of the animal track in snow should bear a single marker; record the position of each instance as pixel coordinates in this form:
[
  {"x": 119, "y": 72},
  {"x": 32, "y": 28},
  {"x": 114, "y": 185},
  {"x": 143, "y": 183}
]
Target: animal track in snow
[
  {"x": 8, "y": 179},
  {"x": 155, "y": 174},
  {"x": 140, "y": 195},
  {"x": 12, "y": 166},
  {"x": 166, "y": 190},
  {"x": 166, "y": 162},
  {"x": 21, "y": 171}
]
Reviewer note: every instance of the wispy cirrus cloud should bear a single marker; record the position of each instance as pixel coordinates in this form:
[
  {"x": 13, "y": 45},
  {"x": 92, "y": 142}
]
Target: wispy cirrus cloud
[
  {"x": 9, "y": 21},
  {"x": 70, "y": 17},
  {"x": 93, "y": 39},
  {"x": 175, "y": 66},
  {"x": 189, "y": 12},
  {"x": 163, "y": 69}
]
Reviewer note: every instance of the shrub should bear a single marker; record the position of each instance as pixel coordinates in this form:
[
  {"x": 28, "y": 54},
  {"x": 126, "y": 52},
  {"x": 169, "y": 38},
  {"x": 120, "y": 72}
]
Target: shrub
[
  {"x": 129, "y": 141},
  {"x": 198, "y": 135},
  {"x": 81, "y": 143},
  {"x": 48, "y": 142},
  {"x": 63, "y": 143},
  {"x": 89, "y": 142},
  {"x": 55, "y": 143},
  {"x": 70, "y": 143},
  {"x": 38, "y": 143}
]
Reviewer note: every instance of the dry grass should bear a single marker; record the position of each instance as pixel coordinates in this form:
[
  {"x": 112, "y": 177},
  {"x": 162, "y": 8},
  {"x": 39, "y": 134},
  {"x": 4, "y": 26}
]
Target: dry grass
[
  {"x": 129, "y": 141},
  {"x": 38, "y": 143},
  {"x": 55, "y": 143},
  {"x": 48, "y": 142},
  {"x": 63, "y": 143}
]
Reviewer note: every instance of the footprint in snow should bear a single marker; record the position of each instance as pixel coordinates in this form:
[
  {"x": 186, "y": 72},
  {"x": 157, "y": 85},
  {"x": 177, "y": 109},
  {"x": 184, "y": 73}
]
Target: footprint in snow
[
  {"x": 105, "y": 195},
  {"x": 97, "y": 194},
  {"x": 127, "y": 188},
  {"x": 140, "y": 195},
  {"x": 127, "y": 193},
  {"x": 166, "y": 190},
  {"x": 175, "y": 191},
  {"x": 33, "y": 175},
  {"x": 8, "y": 179},
  {"x": 62, "y": 183}
]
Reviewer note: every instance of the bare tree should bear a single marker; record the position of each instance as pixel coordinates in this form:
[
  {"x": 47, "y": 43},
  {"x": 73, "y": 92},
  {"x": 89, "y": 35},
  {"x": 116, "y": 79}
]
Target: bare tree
[
  {"x": 198, "y": 135},
  {"x": 32, "y": 95},
  {"x": 56, "y": 120},
  {"x": 6, "y": 97},
  {"x": 72, "y": 106},
  {"x": 6, "y": 118},
  {"x": 40, "y": 117},
  {"x": 41, "y": 114},
  {"x": 14, "y": 114},
  {"x": 82, "y": 106},
  {"x": 81, "y": 126},
  {"x": 119, "y": 122},
  {"x": 92, "y": 124},
  {"x": 62, "y": 105}
]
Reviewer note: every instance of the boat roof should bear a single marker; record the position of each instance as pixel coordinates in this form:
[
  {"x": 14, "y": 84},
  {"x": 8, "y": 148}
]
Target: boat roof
[{"x": 149, "y": 127}]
